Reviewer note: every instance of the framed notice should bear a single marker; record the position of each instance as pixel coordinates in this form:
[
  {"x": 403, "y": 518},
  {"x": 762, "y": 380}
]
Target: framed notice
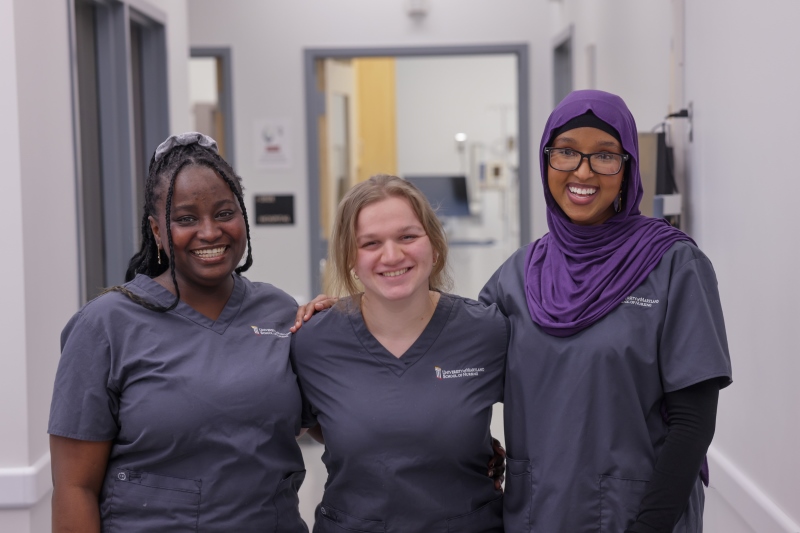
[
  {"x": 274, "y": 209},
  {"x": 272, "y": 143}
]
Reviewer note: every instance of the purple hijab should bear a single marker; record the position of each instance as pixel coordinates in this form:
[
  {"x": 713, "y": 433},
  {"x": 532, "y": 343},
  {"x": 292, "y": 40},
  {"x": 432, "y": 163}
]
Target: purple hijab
[{"x": 575, "y": 275}]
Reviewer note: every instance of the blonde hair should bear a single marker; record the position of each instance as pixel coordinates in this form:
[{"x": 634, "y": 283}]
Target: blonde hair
[{"x": 343, "y": 248}]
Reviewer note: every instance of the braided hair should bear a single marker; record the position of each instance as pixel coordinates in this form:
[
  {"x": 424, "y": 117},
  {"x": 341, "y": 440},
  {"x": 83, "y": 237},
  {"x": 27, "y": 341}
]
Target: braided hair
[{"x": 165, "y": 170}]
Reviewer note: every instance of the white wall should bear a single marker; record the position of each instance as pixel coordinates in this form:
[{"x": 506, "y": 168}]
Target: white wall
[
  {"x": 40, "y": 276},
  {"x": 178, "y": 53},
  {"x": 438, "y": 97},
  {"x": 46, "y": 150},
  {"x": 203, "y": 80},
  {"x": 267, "y": 41},
  {"x": 742, "y": 79},
  {"x": 13, "y": 427},
  {"x": 632, "y": 41}
]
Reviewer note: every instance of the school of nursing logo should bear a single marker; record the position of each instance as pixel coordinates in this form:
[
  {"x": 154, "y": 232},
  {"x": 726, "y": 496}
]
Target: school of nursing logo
[
  {"x": 268, "y": 331},
  {"x": 460, "y": 373},
  {"x": 641, "y": 302}
]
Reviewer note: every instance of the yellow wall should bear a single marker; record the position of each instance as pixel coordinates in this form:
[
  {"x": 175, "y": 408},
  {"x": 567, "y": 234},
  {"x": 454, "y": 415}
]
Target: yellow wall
[{"x": 377, "y": 120}]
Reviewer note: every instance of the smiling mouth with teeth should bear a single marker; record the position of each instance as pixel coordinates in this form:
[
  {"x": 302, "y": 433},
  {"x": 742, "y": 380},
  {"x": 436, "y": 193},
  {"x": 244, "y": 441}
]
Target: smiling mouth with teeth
[
  {"x": 583, "y": 191},
  {"x": 209, "y": 252},
  {"x": 394, "y": 273}
]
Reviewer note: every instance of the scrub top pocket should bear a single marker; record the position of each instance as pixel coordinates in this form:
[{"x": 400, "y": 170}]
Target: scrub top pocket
[
  {"x": 146, "y": 502},
  {"x": 488, "y": 518},
  {"x": 620, "y": 499},
  {"x": 518, "y": 494},
  {"x": 330, "y": 520},
  {"x": 287, "y": 504}
]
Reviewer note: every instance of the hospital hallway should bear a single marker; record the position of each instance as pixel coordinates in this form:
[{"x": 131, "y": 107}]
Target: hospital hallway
[{"x": 306, "y": 99}]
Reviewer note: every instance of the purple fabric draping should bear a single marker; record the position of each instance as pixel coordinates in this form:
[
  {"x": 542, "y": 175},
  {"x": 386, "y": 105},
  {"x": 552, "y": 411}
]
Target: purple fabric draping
[{"x": 575, "y": 274}]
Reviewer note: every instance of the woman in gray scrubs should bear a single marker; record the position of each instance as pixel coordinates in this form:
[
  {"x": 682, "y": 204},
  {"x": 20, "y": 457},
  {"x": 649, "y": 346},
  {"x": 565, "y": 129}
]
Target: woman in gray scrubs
[
  {"x": 175, "y": 406},
  {"x": 401, "y": 377},
  {"x": 618, "y": 348}
]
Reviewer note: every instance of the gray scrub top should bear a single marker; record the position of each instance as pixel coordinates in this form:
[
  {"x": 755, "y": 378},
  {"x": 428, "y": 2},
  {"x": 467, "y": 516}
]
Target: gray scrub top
[
  {"x": 202, "y": 414},
  {"x": 407, "y": 441},
  {"x": 582, "y": 413}
]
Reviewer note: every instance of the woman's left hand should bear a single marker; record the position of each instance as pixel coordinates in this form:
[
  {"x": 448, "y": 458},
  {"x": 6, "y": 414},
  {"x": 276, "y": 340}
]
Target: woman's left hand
[
  {"x": 305, "y": 312},
  {"x": 497, "y": 464}
]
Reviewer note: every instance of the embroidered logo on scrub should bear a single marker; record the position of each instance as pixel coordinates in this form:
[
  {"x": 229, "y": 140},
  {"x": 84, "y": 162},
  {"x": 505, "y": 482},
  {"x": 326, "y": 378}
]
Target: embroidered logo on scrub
[
  {"x": 642, "y": 302},
  {"x": 268, "y": 331},
  {"x": 461, "y": 373}
]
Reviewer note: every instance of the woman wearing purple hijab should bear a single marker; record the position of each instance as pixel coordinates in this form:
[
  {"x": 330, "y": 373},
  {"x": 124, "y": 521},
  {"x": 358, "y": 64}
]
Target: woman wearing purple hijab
[{"x": 618, "y": 347}]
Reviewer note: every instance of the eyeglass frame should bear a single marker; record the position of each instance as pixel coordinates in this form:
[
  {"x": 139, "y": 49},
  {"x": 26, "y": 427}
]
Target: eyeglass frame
[{"x": 549, "y": 149}]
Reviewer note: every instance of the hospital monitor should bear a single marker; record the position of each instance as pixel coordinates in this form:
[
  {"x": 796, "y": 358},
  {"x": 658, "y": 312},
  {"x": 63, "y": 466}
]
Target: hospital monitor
[{"x": 447, "y": 194}]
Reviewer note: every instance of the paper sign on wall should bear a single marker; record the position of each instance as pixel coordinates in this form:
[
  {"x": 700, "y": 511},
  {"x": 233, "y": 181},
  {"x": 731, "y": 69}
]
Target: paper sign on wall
[{"x": 272, "y": 143}]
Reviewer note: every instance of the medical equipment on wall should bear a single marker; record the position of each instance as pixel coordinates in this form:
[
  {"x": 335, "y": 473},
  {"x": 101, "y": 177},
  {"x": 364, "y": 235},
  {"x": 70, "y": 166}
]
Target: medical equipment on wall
[{"x": 662, "y": 198}]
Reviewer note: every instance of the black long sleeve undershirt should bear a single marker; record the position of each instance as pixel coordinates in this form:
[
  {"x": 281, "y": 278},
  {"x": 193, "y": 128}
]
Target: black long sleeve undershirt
[{"x": 692, "y": 414}]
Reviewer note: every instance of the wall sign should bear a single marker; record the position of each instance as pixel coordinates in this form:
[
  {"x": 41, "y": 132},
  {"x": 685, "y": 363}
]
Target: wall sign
[
  {"x": 272, "y": 209},
  {"x": 272, "y": 143}
]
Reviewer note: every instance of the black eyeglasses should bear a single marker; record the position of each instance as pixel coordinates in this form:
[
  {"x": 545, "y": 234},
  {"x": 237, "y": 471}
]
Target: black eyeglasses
[{"x": 567, "y": 160}]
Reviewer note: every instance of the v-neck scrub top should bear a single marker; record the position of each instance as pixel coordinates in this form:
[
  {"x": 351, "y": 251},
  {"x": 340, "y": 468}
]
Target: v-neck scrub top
[
  {"x": 202, "y": 414},
  {"x": 407, "y": 441},
  {"x": 582, "y": 413}
]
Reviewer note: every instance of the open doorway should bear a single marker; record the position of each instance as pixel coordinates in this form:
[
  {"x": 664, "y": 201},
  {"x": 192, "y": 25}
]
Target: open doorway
[
  {"x": 455, "y": 114},
  {"x": 210, "y": 96}
]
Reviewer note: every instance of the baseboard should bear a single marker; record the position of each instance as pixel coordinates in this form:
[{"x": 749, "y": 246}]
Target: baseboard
[
  {"x": 752, "y": 503},
  {"x": 24, "y": 487}
]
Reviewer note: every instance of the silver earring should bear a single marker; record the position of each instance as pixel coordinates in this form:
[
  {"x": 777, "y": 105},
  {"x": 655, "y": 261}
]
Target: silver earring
[{"x": 158, "y": 251}]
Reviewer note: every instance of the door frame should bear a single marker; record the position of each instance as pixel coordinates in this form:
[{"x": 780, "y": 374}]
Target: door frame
[
  {"x": 225, "y": 57},
  {"x": 315, "y": 106},
  {"x": 118, "y": 142}
]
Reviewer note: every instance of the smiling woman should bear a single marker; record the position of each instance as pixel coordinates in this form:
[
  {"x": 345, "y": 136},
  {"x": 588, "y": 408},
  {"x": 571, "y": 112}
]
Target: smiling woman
[
  {"x": 401, "y": 377},
  {"x": 585, "y": 191},
  {"x": 395, "y": 256},
  {"x": 617, "y": 336},
  {"x": 207, "y": 230},
  {"x": 174, "y": 391}
]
